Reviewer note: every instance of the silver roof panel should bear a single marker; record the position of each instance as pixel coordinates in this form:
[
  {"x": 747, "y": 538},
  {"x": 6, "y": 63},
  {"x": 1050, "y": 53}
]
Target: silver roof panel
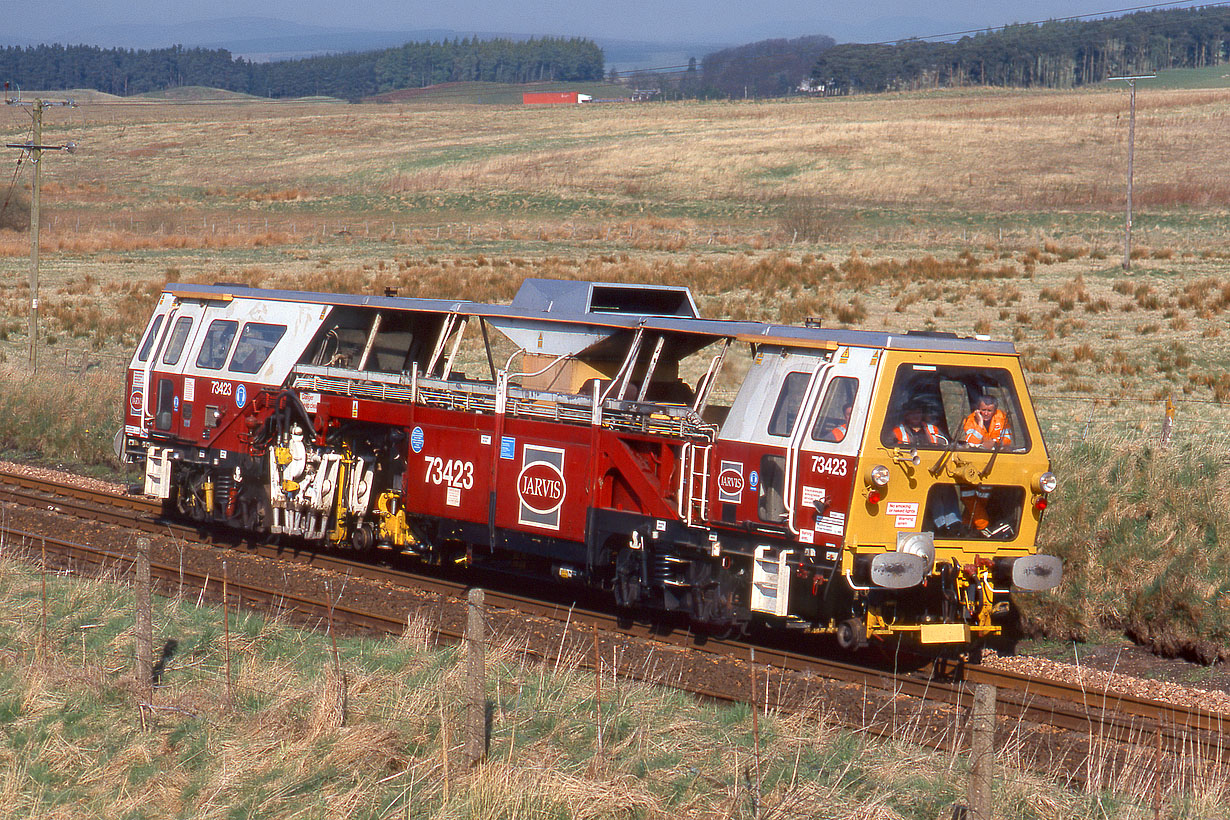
[{"x": 570, "y": 312}]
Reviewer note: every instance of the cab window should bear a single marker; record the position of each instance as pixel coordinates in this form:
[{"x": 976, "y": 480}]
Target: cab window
[
  {"x": 982, "y": 513},
  {"x": 217, "y": 344},
  {"x": 179, "y": 336},
  {"x": 770, "y": 504},
  {"x": 150, "y": 337},
  {"x": 256, "y": 342},
  {"x": 789, "y": 400},
  {"x": 831, "y": 424},
  {"x": 937, "y": 406}
]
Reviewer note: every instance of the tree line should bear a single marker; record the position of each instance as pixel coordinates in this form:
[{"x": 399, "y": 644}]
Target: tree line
[
  {"x": 1056, "y": 54},
  {"x": 349, "y": 76},
  {"x": 768, "y": 68}
]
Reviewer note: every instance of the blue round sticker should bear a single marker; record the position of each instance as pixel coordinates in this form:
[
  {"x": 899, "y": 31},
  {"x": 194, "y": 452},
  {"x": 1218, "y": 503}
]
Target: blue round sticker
[
  {"x": 754, "y": 479},
  {"x": 176, "y": 402},
  {"x": 241, "y": 395},
  {"x": 416, "y": 439}
]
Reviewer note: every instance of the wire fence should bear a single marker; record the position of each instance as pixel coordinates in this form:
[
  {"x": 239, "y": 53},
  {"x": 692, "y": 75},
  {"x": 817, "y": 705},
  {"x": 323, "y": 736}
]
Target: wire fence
[
  {"x": 818, "y": 225},
  {"x": 1180, "y": 422},
  {"x": 1149, "y": 763}
]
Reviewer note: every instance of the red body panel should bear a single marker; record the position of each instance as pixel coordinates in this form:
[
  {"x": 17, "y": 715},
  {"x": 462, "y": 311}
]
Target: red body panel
[
  {"x": 819, "y": 477},
  {"x": 546, "y": 474}
]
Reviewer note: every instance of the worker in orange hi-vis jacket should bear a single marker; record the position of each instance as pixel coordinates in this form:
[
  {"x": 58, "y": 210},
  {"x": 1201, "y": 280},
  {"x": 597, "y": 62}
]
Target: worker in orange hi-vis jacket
[
  {"x": 914, "y": 428},
  {"x": 987, "y": 428},
  {"x": 838, "y": 433}
]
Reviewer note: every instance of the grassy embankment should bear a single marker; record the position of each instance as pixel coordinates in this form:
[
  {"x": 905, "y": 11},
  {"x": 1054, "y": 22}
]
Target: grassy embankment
[
  {"x": 73, "y": 744},
  {"x": 1144, "y": 532}
]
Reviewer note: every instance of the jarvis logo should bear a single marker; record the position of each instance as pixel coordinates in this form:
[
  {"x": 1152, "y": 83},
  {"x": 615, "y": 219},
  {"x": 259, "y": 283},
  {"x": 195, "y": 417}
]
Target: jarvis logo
[
  {"x": 730, "y": 482},
  {"x": 541, "y": 486}
]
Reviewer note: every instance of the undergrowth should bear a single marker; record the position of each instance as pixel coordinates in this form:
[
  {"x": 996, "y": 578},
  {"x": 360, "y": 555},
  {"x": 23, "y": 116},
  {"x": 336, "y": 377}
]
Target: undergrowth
[
  {"x": 73, "y": 744},
  {"x": 1144, "y": 531}
]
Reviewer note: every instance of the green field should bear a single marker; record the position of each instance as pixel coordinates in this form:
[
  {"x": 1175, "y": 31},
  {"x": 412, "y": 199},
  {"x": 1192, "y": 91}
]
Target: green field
[{"x": 1213, "y": 76}]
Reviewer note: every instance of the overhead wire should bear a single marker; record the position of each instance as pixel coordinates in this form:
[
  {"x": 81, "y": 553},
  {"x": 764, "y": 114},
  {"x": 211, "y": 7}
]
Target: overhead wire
[{"x": 21, "y": 156}]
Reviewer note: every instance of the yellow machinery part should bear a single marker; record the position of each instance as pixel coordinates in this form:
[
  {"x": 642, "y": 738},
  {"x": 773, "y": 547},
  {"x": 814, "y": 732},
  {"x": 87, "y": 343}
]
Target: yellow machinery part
[
  {"x": 943, "y": 633},
  {"x": 955, "y": 633},
  {"x": 983, "y": 615},
  {"x": 393, "y": 526},
  {"x": 208, "y": 486},
  {"x": 340, "y": 530},
  {"x": 281, "y": 456}
]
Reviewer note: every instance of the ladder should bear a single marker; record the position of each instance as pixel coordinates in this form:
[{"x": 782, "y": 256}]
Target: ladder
[{"x": 694, "y": 483}]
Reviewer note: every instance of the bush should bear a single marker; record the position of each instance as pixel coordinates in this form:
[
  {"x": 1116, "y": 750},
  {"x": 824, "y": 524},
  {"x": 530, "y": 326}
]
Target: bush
[
  {"x": 61, "y": 417},
  {"x": 808, "y": 221},
  {"x": 15, "y": 212}
]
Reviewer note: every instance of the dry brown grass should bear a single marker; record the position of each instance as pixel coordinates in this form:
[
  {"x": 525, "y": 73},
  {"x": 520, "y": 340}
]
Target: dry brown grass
[{"x": 987, "y": 151}]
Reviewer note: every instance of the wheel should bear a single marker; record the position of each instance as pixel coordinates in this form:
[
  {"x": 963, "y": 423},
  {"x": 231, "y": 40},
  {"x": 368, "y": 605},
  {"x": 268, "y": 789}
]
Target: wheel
[
  {"x": 851, "y": 634},
  {"x": 628, "y": 588},
  {"x": 363, "y": 538}
]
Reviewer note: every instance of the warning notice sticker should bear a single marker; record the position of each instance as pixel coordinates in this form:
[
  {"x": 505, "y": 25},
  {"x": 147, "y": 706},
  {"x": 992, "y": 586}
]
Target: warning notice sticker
[
  {"x": 905, "y": 514},
  {"x": 832, "y": 524}
]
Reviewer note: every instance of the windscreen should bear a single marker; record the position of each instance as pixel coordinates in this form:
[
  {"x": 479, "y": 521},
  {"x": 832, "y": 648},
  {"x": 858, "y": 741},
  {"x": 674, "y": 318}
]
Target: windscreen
[{"x": 937, "y": 406}]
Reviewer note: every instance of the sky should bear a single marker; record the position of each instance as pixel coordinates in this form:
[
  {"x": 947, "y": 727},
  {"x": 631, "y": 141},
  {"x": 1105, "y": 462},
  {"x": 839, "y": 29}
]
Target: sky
[{"x": 718, "y": 21}]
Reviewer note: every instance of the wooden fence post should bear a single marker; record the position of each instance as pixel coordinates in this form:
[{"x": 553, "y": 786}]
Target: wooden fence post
[
  {"x": 144, "y": 623},
  {"x": 982, "y": 751},
  {"x": 476, "y": 679},
  {"x": 598, "y": 693},
  {"x": 226, "y": 633},
  {"x": 41, "y": 650}
]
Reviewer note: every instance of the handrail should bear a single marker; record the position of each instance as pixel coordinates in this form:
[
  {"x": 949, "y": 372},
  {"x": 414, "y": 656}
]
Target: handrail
[{"x": 677, "y": 420}]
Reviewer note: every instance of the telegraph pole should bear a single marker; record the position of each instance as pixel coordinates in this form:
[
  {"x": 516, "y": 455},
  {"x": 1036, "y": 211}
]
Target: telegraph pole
[
  {"x": 36, "y": 189},
  {"x": 35, "y": 149},
  {"x": 1127, "y": 237}
]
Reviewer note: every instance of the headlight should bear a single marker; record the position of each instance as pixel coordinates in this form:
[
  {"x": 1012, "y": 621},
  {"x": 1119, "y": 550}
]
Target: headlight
[
  {"x": 879, "y": 476},
  {"x": 1046, "y": 482}
]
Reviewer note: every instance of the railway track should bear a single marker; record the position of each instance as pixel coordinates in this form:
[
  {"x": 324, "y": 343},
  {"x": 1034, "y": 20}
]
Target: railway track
[{"x": 1089, "y": 718}]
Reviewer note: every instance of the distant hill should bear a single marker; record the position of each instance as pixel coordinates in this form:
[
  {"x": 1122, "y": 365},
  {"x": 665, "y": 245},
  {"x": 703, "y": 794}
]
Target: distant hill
[
  {"x": 769, "y": 68},
  {"x": 74, "y": 94},
  {"x": 265, "y": 39},
  {"x": 196, "y": 93},
  {"x": 1054, "y": 54},
  {"x": 349, "y": 76}
]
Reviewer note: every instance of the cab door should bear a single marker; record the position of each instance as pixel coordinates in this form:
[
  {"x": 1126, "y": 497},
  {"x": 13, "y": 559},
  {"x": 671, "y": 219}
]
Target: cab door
[
  {"x": 758, "y": 450},
  {"x": 165, "y": 395},
  {"x": 829, "y": 446},
  {"x": 136, "y": 418}
]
